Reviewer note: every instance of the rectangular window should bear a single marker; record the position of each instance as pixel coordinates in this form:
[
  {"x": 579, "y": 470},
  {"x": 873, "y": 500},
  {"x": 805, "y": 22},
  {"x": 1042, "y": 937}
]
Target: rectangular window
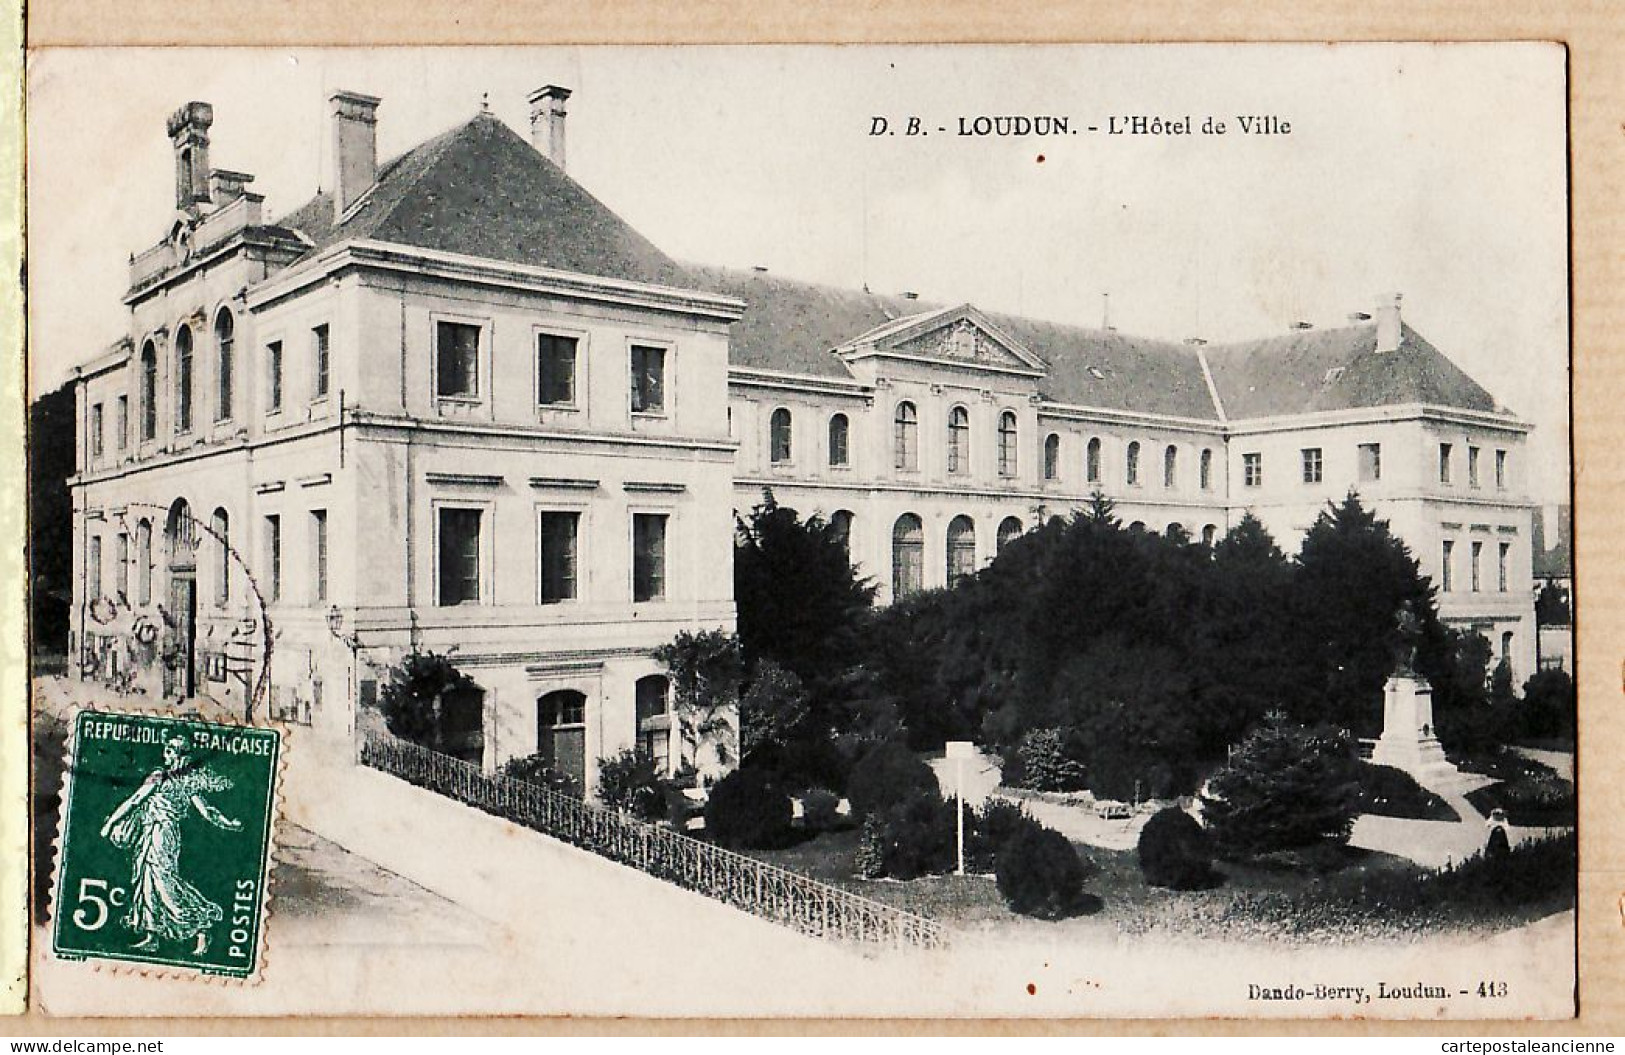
[
  {"x": 648, "y": 556},
  {"x": 121, "y": 422},
  {"x": 556, "y": 533},
  {"x": 1444, "y": 463},
  {"x": 457, "y": 360},
  {"x": 319, "y": 351},
  {"x": 1472, "y": 466},
  {"x": 1501, "y": 566},
  {"x": 1312, "y": 465},
  {"x": 96, "y": 431},
  {"x": 273, "y": 378},
  {"x": 1370, "y": 462},
  {"x": 93, "y": 569},
  {"x": 273, "y": 557},
  {"x": 459, "y": 556},
  {"x": 653, "y": 720},
  {"x": 318, "y": 555},
  {"x": 1501, "y": 470},
  {"x": 648, "y": 379},
  {"x": 121, "y": 569},
  {"x": 1477, "y": 558},
  {"x": 1252, "y": 469},
  {"x": 1445, "y": 553},
  {"x": 555, "y": 370}
]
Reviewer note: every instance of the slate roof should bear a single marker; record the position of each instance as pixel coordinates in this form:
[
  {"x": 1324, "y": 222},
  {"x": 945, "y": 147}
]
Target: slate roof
[
  {"x": 481, "y": 190},
  {"x": 1307, "y": 371}
]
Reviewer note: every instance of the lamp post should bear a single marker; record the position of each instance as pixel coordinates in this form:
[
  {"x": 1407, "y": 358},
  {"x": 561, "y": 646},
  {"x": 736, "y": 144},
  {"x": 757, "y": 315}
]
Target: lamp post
[{"x": 958, "y": 751}]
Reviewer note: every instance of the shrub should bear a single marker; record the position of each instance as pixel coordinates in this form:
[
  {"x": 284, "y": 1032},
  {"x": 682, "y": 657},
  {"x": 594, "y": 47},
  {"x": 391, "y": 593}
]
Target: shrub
[
  {"x": 1040, "y": 874},
  {"x": 1548, "y": 706},
  {"x": 999, "y": 821},
  {"x": 1390, "y": 792},
  {"x": 911, "y": 838},
  {"x": 627, "y": 781},
  {"x": 820, "y": 810},
  {"x": 1286, "y": 788},
  {"x": 1498, "y": 847},
  {"x": 1048, "y": 760},
  {"x": 748, "y": 808},
  {"x": 534, "y": 769},
  {"x": 889, "y": 774},
  {"x": 1175, "y": 851},
  {"x": 411, "y": 699},
  {"x": 870, "y": 862}
]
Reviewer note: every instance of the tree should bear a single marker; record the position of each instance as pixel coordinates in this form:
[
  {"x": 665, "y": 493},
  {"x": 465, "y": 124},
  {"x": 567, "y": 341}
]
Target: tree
[
  {"x": 1548, "y": 705},
  {"x": 800, "y": 601},
  {"x": 706, "y": 670},
  {"x": 773, "y": 710},
  {"x": 1287, "y": 787},
  {"x": 1352, "y": 577}
]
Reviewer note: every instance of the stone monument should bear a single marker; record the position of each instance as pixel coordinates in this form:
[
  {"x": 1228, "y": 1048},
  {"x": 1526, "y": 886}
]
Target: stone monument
[{"x": 1409, "y": 741}]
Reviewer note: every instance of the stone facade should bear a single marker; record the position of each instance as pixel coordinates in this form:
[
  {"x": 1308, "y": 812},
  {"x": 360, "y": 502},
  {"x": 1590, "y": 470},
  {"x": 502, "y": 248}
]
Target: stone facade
[{"x": 488, "y": 418}]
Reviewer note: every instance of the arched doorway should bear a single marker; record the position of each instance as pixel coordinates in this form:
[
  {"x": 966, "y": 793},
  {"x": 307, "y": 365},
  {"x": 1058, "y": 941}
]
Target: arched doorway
[
  {"x": 561, "y": 733},
  {"x": 180, "y": 615}
]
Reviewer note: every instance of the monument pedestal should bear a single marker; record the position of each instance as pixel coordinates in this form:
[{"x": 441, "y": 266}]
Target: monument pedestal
[{"x": 1409, "y": 742}]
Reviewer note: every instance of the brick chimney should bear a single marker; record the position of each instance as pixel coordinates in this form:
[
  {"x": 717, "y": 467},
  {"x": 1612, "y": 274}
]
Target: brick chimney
[
  {"x": 1388, "y": 328},
  {"x": 355, "y": 147},
  {"x": 547, "y": 121},
  {"x": 189, "y": 130}
]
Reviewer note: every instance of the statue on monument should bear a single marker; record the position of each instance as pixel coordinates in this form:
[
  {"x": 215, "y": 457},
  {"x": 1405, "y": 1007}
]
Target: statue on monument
[{"x": 1407, "y": 635}]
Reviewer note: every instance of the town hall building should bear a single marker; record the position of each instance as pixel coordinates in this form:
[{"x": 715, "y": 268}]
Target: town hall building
[{"x": 454, "y": 403}]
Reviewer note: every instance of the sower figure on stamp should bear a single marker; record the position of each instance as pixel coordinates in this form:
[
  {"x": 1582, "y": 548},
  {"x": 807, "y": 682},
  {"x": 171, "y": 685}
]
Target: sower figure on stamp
[{"x": 163, "y": 905}]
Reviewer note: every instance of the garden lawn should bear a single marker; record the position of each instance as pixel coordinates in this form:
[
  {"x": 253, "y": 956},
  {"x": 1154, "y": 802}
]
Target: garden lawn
[{"x": 1362, "y": 896}]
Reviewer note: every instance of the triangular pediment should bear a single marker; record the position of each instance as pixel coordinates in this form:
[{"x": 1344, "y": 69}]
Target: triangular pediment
[{"x": 961, "y": 336}]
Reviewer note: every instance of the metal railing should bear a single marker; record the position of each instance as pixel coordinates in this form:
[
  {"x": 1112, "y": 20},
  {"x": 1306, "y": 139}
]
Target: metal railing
[{"x": 772, "y": 893}]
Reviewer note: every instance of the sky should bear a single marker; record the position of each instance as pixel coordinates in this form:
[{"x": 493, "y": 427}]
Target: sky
[{"x": 1436, "y": 171}]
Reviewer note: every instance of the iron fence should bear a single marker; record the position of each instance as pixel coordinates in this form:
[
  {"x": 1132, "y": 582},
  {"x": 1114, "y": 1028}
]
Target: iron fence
[{"x": 772, "y": 893}]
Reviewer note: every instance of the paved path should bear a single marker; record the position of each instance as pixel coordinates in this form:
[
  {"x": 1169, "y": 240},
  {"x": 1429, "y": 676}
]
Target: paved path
[{"x": 1560, "y": 761}]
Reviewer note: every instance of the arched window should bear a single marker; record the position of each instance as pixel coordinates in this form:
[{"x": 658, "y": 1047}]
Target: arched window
[
  {"x": 1210, "y": 534},
  {"x": 1207, "y": 469},
  {"x": 907, "y": 556},
  {"x": 1007, "y": 443},
  {"x": 149, "y": 391},
  {"x": 779, "y": 436},
  {"x": 839, "y": 453},
  {"x": 961, "y": 548},
  {"x": 1052, "y": 457},
  {"x": 1506, "y": 647},
  {"x": 561, "y": 732},
  {"x": 180, "y": 534},
  {"x": 1170, "y": 466},
  {"x": 1009, "y": 531},
  {"x": 183, "y": 379},
  {"x": 224, "y": 338},
  {"x": 1176, "y": 532},
  {"x": 143, "y": 562},
  {"x": 1138, "y": 525},
  {"x": 906, "y": 437},
  {"x": 1132, "y": 464},
  {"x": 653, "y": 693},
  {"x": 1091, "y": 461},
  {"x": 221, "y": 526},
  {"x": 959, "y": 440},
  {"x": 840, "y": 524}
]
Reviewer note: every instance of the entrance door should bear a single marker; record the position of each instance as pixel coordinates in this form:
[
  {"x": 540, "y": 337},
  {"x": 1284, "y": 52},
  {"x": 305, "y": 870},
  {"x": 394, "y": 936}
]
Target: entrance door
[
  {"x": 182, "y": 676},
  {"x": 561, "y": 733}
]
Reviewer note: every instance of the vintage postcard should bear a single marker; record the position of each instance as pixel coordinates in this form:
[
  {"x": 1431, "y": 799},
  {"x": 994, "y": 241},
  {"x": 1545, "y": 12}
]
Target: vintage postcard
[{"x": 959, "y": 531}]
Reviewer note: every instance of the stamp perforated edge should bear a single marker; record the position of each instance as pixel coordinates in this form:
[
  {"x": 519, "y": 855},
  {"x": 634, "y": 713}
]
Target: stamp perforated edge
[{"x": 267, "y": 899}]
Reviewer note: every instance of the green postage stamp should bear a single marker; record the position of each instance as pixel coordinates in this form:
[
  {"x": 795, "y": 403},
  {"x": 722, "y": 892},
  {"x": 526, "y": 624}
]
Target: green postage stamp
[{"x": 165, "y": 848}]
